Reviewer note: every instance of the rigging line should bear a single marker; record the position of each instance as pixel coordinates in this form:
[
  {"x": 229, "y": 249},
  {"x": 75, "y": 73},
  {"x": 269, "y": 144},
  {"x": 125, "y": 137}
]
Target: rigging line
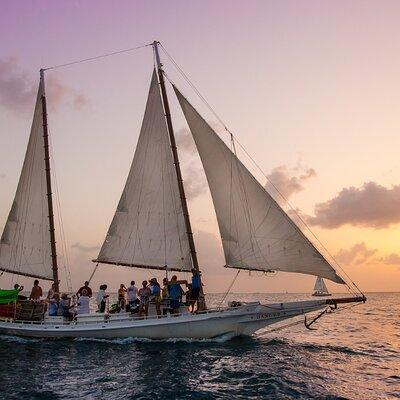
[
  {"x": 64, "y": 247},
  {"x": 94, "y": 271},
  {"x": 97, "y": 57},
  {"x": 229, "y": 288},
  {"x": 253, "y": 161}
]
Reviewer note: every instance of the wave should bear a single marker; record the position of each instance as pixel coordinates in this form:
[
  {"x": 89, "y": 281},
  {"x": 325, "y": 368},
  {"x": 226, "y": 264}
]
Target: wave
[{"x": 18, "y": 339}]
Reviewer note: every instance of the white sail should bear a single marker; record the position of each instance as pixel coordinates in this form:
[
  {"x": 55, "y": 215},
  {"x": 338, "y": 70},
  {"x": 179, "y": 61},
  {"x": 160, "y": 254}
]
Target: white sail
[
  {"x": 25, "y": 242},
  {"x": 256, "y": 233},
  {"x": 320, "y": 286},
  {"x": 148, "y": 228}
]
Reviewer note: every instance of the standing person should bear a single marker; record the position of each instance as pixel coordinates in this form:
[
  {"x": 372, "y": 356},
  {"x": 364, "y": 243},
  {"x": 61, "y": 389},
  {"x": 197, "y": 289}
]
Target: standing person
[
  {"x": 52, "y": 292},
  {"x": 132, "y": 293},
  {"x": 121, "y": 297},
  {"x": 83, "y": 303},
  {"x": 195, "y": 290},
  {"x": 85, "y": 287},
  {"x": 101, "y": 298},
  {"x": 165, "y": 292},
  {"x": 156, "y": 294},
  {"x": 144, "y": 296},
  {"x": 36, "y": 292},
  {"x": 20, "y": 289},
  {"x": 175, "y": 293}
]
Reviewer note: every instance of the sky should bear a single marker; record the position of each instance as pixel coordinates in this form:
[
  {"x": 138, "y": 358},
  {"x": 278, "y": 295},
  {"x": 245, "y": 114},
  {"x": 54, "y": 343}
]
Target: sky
[{"x": 310, "y": 88}]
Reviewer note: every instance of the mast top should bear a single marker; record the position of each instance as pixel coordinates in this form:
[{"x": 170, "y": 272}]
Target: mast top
[{"x": 158, "y": 61}]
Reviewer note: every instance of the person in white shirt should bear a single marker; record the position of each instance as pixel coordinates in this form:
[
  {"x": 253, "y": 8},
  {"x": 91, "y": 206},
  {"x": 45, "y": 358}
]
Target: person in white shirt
[
  {"x": 83, "y": 303},
  {"x": 132, "y": 293},
  {"x": 101, "y": 298}
]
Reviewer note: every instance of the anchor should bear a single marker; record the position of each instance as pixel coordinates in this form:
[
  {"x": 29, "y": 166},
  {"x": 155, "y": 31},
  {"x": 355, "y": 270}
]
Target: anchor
[{"x": 326, "y": 311}]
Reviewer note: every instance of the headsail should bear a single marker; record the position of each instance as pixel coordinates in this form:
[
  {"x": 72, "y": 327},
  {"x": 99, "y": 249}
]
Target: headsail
[
  {"x": 148, "y": 228},
  {"x": 320, "y": 286},
  {"x": 256, "y": 233},
  {"x": 25, "y": 242}
]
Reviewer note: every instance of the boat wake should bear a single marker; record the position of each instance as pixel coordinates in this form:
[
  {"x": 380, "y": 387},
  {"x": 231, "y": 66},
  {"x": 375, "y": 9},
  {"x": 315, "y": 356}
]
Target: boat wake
[{"x": 130, "y": 340}]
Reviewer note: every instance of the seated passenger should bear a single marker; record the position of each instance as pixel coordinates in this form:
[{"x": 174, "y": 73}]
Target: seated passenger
[
  {"x": 64, "y": 306},
  {"x": 53, "y": 305},
  {"x": 83, "y": 303}
]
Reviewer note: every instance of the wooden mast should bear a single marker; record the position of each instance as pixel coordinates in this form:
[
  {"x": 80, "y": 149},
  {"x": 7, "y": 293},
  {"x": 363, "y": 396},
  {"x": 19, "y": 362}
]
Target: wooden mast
[
  {"x": 48, "y": 184},
  {"x": 176, "y": 162}
]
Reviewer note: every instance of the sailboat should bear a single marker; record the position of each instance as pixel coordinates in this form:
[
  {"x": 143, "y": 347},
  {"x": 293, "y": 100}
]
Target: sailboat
[
  {"x": 320, "y": 288},
  {"x": 151, "y": 229}
]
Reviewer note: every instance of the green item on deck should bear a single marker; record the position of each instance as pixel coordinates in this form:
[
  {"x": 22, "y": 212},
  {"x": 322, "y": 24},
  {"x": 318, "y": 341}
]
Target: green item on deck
[{"x": 8, "y": 296}]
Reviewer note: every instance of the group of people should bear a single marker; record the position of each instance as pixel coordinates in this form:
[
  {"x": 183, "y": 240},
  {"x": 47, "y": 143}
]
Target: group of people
[
  {"x": 170, "y": 295},
  {"x": 130, "y": 299}
]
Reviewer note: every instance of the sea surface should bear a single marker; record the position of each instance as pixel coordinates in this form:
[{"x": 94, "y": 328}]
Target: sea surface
[{"x": 353, "y": 354}]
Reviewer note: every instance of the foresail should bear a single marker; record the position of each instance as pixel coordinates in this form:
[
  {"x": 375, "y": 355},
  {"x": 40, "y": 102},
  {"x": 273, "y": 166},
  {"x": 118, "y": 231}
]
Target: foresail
[
  {"x": 256, "y": 233},
  {"x": 148, "y": 228},
  {"x": 25, "y": 242}
]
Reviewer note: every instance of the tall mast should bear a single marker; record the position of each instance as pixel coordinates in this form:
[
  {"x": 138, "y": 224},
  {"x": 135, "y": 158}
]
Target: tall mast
[
  {"x": 176, "y": 160},
  {"x": 48, "y": 184}
]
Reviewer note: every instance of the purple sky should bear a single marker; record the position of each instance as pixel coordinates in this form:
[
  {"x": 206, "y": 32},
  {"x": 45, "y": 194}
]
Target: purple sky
[{"x": 303, "y": 84}]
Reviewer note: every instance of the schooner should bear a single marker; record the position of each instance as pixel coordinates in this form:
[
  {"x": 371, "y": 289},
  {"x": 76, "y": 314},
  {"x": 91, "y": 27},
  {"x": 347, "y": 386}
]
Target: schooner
[
  {"x": 320, "y": 288},
  {"x": 151, "y": 229}
]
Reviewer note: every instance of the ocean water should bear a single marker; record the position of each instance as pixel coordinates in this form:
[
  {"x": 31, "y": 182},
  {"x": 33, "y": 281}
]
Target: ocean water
[{"x": 353, "y": 354}]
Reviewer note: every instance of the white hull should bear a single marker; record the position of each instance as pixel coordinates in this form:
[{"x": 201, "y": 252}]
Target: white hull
[{"x": 243, "y": 320}]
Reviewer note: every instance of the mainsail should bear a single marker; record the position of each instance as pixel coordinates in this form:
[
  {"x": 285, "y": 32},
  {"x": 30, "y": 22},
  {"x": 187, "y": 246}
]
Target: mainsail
[
  {"x": 148, "y": 228},
  {"x": 320, "y": 286},
  {"x": 25, "y": 243},
  {"x": 256, "y": 233}
]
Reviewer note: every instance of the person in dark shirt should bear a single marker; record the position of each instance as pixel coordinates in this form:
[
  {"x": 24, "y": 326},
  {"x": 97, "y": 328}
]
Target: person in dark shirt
[
  {"x": 36, "y": 292},
  {"x": 85, "y": 287},
  {"x": 195, "y": 289}
]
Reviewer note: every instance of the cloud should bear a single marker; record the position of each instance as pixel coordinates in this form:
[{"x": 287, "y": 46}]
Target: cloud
[
  {"x": 358, "y": 254},
  {"x": 371, "y": 205},
  {"x": 361, "y": 254},
  {"x": 195, "y": 181},
  {"x": 58, "y": 92},
  {"x": 286, "y": 182},
  {"x": 85, "y": 249},
  {"x": 18, "y": 91},
  {"x": 391, "y": 259},
  {"x": 184, "y": 141},
  {"x": 194, "y": 178}
]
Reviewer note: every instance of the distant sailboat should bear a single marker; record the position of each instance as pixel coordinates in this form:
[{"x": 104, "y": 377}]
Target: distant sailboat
[
  {"x": 320, "y": 288},
  {"x": 151, "y": 229}
]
